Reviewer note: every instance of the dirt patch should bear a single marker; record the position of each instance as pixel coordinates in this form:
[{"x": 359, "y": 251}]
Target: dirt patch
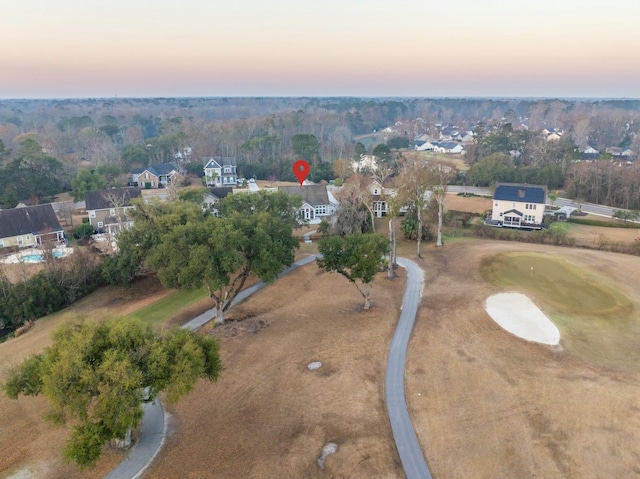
[
  {"x": 488, "y": 404},
  {"x": 471, "y": 204},
  {"x": 269, "y": 415}
]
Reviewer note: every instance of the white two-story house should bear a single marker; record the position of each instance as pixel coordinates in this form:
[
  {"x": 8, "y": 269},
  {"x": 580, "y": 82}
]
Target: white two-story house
[
  {"x": 220, "y": 171},
  {"x": 518, "y": 206}
]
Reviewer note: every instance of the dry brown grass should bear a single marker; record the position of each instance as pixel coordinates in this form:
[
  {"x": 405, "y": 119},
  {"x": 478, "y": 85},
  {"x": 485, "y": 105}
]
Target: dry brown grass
[
  {"x": 488, "y": 404},
  {"x": 596, "y": 236},
  {"x": 27, "y": 441},
  {"x": 268, "y": 416},
  {"x": 467, "y": 204},
  {"x": 484, "y": 403}
]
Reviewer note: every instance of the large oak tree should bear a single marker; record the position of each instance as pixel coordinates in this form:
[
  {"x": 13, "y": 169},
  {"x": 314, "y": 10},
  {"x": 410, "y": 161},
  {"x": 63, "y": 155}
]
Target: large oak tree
[{"x": 99, "y": 374}]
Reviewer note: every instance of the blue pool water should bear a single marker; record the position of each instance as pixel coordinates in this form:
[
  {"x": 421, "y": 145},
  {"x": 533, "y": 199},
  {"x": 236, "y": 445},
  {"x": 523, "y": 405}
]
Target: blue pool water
[{"x": 36, "y": 258}]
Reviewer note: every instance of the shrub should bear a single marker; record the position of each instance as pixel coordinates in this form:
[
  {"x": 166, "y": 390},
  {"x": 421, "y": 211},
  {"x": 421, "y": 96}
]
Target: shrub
[{"x": 83, "y": 231}]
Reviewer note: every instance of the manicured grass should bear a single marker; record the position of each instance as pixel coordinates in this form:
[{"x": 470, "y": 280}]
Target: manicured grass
[
  {"x": 596, "y": 321},
  {"x": 168, "y": 306}
]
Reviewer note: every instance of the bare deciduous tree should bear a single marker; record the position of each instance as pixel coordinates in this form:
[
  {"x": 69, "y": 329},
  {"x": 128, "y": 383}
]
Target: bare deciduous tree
[{"x": 413, "y": 190}]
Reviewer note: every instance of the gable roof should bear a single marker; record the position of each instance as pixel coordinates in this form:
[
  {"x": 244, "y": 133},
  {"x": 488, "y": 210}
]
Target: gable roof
[
  {"x": 100, "y": 199},
  {"x": 220, "y": 191},
  {"x": 157, "y": 169},
  {"x": 219, "y": 161},
  {"x": 28, "y": 220},
  {"x": 513, "y": 211},
  {"x": 311, "y": 194},
  {"x": 521, "y": 193}
]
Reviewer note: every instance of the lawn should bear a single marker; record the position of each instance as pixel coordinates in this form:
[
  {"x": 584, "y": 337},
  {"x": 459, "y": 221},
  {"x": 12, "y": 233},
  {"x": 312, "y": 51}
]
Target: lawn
[
  {"x": 596, "y": 320},
  {"x": 166, "y": 308}
]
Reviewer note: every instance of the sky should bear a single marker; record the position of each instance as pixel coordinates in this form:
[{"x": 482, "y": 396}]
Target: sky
[{"x": 398, "y": 48}]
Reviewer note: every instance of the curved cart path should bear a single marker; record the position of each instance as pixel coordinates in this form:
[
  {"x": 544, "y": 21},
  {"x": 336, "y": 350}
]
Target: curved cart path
[
  {"x": 413, "y": 461},
  {"x": 154, "y": 422}
]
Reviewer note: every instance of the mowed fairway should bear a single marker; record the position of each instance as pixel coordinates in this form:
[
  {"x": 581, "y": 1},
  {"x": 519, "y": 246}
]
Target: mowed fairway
[{"x": 487, "y": 404}]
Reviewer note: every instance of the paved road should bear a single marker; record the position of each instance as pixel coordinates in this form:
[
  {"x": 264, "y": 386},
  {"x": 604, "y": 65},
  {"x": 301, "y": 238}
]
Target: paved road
[
  {"x": 469, "y": 189},
  {"x": 411, "y": 455},
  {"x": 590, "y": 208}
]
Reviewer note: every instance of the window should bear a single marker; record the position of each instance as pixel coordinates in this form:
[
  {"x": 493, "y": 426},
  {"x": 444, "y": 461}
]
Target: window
[
  {"x": 20, "y": 241},
  {"x": 321, "y": 210},
  {"x": 496, "y": 204},
  {"x": 227, "y": 169},
  {"x": 92, "y": 214},
  {"x": 146, "y": 175},
  {"x": 112, "y": 212},
  {"x": 100, "y": 224},
  {"x": 28, "y": 238},
  {"x": 1, "y": 243}
]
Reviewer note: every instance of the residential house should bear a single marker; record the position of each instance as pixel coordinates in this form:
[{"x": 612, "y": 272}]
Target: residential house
[
  {"x": 426, "y": 146},
  {"x": 467, "y": 138},
  {"x": 220, "y": 171},
  {"x": 518, "y": 206},
  {"x": 315, "y": 201},
  {"x": 378, "y": 195},
  {"x": 29, "y": 226},
  {"x": 447, "y": 147},
  {"x": 108, "y": 208},
  {"x": 154, "y": 176},
  {"x": 215, "y": 194}
]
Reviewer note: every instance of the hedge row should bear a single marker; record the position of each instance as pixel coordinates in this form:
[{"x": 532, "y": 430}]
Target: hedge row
[
  {"x": 45, "y": 293},
  {"x": 606, "y": 224}
]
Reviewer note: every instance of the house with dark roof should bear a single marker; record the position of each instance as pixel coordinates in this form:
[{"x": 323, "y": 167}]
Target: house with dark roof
[
  {"x": 518, "y": 206},
  {"x": 108, "y": 209},
  {"x": 315, "y": 201},
  {"x": 154, "y": 176},
  {"x": 215, "y": 194},
  {"x": 220, "y": 171},
  {"x": 29, "y": 226}
]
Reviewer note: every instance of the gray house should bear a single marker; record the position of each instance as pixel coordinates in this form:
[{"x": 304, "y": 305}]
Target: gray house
[
  {"x": 108, "y": 209},
  {"x": 315, "y": 201}
]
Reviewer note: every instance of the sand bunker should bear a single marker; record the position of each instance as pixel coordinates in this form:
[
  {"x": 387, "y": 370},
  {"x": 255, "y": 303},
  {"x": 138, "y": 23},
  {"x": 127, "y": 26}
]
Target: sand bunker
[{"x": 516, "y": 313}]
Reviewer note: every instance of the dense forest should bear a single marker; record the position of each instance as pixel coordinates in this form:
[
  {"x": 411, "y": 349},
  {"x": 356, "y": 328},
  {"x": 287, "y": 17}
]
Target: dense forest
[{"x": 44, "y": 143}]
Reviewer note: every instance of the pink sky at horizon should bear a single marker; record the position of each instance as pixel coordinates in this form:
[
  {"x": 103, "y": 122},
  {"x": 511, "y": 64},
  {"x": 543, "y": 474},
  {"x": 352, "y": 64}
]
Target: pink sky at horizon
[{"x": 100, "y": 48}]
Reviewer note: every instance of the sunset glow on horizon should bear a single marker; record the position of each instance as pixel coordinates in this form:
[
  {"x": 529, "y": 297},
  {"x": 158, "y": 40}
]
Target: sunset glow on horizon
[{"x": 99, "y": 48}]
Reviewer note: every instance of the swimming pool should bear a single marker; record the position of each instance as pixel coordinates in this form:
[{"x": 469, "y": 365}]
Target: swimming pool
[{"x": 36, "y": 258}]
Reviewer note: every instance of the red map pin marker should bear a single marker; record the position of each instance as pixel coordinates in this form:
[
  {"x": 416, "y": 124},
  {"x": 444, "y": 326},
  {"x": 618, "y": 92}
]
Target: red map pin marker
[{"x": 301, "y": 170}]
